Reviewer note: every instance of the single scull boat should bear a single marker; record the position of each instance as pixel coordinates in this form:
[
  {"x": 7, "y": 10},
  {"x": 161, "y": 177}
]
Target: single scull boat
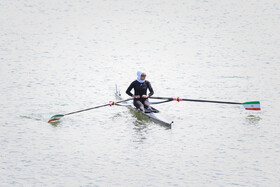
[{"x": 151, "y": 114}]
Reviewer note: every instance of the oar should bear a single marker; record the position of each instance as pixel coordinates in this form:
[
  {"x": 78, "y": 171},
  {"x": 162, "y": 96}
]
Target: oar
[
  {"x": 252, "y": 105},
  {"x": 57, "y": 117}
]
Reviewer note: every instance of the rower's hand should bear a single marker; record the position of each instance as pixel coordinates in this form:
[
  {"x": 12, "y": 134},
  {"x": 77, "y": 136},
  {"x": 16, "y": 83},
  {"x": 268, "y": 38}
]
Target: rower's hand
[
  {"x": 144, "y": 96},
  {"x": 136, "y": 96}
]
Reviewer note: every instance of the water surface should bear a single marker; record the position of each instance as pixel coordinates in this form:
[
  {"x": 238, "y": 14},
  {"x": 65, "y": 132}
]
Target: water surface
[{"x": 59, "y": 57}]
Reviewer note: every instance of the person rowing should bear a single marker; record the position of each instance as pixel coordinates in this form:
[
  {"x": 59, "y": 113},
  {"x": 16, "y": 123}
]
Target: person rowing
[{"x": 140, "y": 86}]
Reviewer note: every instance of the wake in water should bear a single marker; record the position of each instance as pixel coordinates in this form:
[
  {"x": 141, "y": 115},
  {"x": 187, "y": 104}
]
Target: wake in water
[
  {"x": 253, "y": 120},
  {"x": 38, "y": 119}
]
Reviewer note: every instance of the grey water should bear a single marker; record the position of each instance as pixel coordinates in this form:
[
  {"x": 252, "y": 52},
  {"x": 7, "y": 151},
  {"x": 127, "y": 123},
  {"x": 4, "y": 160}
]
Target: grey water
[{"x": 61, "y": 56}]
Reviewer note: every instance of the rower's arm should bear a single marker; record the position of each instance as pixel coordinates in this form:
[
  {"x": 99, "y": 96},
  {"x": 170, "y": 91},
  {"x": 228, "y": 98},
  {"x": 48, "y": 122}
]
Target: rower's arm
[
  {"x": 150, "y": 89},
  {"x": 128, "y": 91}
]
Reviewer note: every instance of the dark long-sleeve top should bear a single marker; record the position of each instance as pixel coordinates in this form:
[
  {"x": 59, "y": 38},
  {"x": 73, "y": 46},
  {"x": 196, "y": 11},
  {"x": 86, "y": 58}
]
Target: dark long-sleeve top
[{"x": 140, "y": 88}]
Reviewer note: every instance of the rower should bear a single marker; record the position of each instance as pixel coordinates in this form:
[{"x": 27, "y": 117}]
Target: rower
[{"x": 140, "y": 86}]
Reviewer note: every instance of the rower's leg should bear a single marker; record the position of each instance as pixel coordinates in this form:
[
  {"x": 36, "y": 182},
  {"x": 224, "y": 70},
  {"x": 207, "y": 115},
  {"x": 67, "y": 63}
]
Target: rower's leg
[
  {"x": 138, "y": 105},
  {"x": 147, "y": 106},
  {"x": 147, "y": 103}
]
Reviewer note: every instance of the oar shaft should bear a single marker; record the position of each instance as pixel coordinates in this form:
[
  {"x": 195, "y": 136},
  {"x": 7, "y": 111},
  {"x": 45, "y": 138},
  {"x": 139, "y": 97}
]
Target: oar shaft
[
  {"x": 109, "y": 104},
  {"x": 154, "y": 103},
  {"x": 208, "y": 101},
  {"x": 196, "y": 100},
  {"x": 56, "y": 118},
  {"x": 86, "y": 109}
]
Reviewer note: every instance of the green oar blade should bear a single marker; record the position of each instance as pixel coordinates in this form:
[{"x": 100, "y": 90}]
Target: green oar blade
[
  {"x": 55, "y": 118},
  {"x": 252, "y": 105}
]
